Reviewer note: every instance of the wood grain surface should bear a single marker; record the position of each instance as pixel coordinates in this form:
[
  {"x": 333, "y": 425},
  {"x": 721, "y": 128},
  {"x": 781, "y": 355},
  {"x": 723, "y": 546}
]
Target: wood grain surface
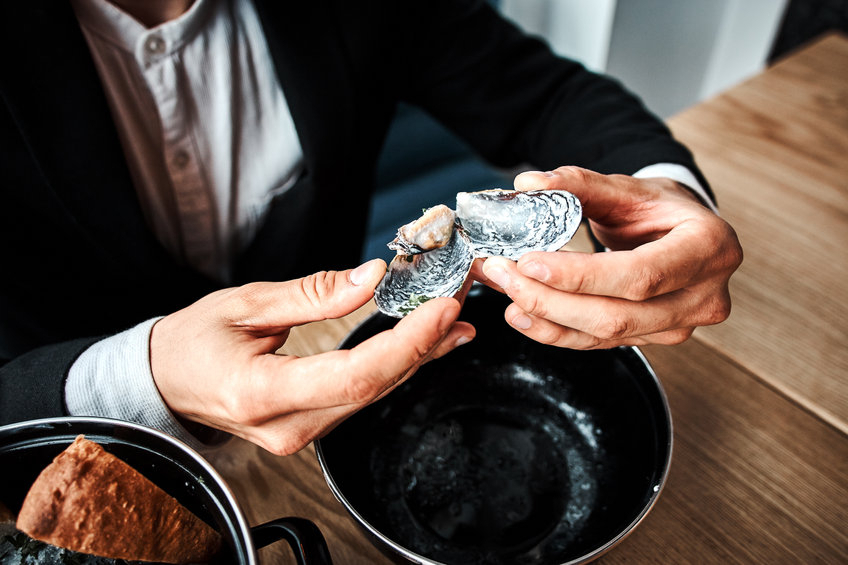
[
  {"x": 753, "y": 478},
  {"x": 775, "y": 150},
  {"x": 759, "y": 403}
]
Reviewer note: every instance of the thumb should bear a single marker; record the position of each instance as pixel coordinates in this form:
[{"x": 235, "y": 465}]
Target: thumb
[{"x": 323, "y": 295}]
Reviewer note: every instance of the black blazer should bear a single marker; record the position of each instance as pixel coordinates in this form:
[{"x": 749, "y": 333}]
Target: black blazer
[{"x": 78, "y": 260}]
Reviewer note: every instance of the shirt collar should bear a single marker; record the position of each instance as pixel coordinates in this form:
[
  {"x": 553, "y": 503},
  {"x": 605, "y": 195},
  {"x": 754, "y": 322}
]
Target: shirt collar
[{"x": 125, "y": 32}]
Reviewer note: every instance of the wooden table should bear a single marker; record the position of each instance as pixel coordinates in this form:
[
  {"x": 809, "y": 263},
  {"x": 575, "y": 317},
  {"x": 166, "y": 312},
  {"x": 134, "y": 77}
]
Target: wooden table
[{"x": 760, "y": 402}]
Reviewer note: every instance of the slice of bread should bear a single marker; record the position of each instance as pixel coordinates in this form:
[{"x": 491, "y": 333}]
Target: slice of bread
[{"x": 88, "y": 500}]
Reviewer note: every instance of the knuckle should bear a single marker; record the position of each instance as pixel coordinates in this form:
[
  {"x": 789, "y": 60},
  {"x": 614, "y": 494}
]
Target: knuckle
[
  {"x": 247, "y": 298},
  {"x": 647, "y": 284},
  {"x": 581, "y": 281},
  {"x": 548, "y": 335},
  {"x": 590, "y": 342},
  {"x": 717, "y": 310},
  {"x": 574, "y": 339},
  {"x": 532, "y": 304},
  {"x": 612, "y": 327},
  {"x": 734, "y": 255},
  {"x": 724, "y": 240},
  {"x": 597, "y": 343},
  {"x": 574, "y": 174},
  {"x": 423, "y": 352},
  {"x": 317, "y": 287},
  {"x": 361, "y": 390}
]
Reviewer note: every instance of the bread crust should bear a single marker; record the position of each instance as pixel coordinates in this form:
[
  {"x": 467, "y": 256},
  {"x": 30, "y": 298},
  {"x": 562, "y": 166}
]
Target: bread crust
[{"x": 88, "y": 500}]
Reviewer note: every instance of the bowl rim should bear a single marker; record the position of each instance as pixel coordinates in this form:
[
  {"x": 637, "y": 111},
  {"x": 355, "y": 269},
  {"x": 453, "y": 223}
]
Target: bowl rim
[{"x": 590, "y": 556}]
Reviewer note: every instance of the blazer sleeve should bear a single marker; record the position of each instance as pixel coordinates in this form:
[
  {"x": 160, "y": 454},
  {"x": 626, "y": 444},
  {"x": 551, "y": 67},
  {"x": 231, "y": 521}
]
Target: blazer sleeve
[
  {"x": 516, "y": 102},
  {"x": 32, "y": 385}
]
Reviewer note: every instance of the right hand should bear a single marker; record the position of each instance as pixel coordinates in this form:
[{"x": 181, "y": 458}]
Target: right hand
[{"x": 214, "y": 362}]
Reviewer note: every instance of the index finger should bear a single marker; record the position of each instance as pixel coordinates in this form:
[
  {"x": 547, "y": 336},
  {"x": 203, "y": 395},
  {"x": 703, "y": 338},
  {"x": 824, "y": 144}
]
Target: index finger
[
  {"x": 608, "y": 199},
  {"x": 600, "y": 195}
]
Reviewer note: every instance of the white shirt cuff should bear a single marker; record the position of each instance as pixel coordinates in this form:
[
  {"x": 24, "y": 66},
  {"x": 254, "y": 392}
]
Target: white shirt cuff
[
  {"x": 680, "y": 174},
  {"x": 113, "y": 379}
]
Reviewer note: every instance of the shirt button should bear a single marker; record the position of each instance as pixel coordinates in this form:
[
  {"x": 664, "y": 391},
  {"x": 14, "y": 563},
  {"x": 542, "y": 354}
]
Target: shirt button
[
  {"x": 181, "y": 159},
  {"x": 155, "y": 45}
]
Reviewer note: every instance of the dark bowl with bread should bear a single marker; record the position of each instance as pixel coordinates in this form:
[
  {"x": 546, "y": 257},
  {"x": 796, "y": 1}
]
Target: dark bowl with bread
[{"x": 186, "y": 481}]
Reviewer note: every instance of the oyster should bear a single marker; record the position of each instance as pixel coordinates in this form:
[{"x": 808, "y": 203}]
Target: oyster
[
  {"x": 413, "y": 279},
  {"x": 432, "y": 230},
  {"x": 436, "y": 251}
]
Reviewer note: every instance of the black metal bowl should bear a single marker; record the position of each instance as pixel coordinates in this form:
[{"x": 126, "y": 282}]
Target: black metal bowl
[
  {"x": 505, "y": 451},
  {"x": 28, "y": 447}
]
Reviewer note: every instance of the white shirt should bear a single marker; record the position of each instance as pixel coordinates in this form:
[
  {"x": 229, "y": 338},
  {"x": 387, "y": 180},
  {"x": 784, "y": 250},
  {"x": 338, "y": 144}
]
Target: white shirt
[
  {"x": 209, "y": 141},
  {"x": 203, "y": 122}
]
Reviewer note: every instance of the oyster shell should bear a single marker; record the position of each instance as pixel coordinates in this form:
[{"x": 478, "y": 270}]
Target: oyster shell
[
  {"x": 510, "y": 223},
  {"x": 486, "y": 223},
  {"x": 414, "y": 279}
]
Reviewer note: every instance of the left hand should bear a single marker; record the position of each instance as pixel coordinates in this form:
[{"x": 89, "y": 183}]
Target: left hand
[
  {"x": 215, "y": 362},
  {"x": 667, "y": 272}
]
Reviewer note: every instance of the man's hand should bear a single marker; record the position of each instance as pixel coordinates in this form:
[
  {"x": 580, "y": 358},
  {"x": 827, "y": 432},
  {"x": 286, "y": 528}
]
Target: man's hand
[
  {"x": 214, "y": 362},
  {"x": 667, "y": 271}
]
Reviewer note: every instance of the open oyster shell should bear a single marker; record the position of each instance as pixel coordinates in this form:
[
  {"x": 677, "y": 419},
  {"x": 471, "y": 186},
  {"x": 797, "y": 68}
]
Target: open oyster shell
[{"x": 487, "y": 223}]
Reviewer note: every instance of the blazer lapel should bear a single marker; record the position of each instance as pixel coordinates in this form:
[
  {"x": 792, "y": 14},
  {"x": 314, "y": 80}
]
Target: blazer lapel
[
  {"x": 311, "y": 68},
  {"x": 315, "y": 81},
  {"x": 74, "y": 141}
]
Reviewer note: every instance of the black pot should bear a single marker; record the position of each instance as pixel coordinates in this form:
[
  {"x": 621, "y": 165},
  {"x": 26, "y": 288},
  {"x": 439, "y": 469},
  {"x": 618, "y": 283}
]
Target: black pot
[
  {"x": 28, "y": 447},
  {"x": 504, "y": 451}
]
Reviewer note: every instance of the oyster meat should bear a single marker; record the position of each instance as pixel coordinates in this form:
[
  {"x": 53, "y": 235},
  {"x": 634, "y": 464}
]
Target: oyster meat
[
  {"x": 432, "y": 230},
  {"x": 436, "y": 251}
]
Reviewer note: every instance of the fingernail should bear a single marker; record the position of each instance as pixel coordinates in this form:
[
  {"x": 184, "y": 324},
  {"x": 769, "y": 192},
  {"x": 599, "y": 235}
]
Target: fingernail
[
  {"x": 499, "y": 276},
  {"x": 546, "y": 174},
  {"x": 462, "y": 340},
  {"x": 522, "y": 322},
  {"x": 360, "y": 275},
  {"x": 536, "y": 270}
]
